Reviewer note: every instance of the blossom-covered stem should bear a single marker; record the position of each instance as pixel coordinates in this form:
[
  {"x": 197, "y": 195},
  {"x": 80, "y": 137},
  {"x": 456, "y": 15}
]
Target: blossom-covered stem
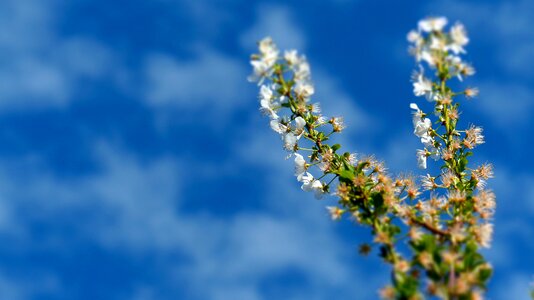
[{"x": 445, "y": 225}]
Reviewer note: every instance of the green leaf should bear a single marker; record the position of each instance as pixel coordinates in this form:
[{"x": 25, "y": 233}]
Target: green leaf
[
  {"x": 346, "y": 175},
  {"x": 336, "y": 147},
  {"x": 485, "y": 274},
  {"x": 462, "y": 163}
]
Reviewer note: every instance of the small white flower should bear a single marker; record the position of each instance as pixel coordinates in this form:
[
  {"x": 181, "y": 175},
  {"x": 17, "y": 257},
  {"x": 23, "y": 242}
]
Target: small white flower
[
  {"x": 335, "y": 212},
  {"x": 414, "y": 37},
  {"x": 459, "y": 39},
  {"x": 291, "y": 57},
  {"x": 262, "y": 64},
  {"x": 421, "y": 158},
  {"x": 432, "y": 24},
  {"x": 304, "y": 90},
  {"x": 306, "y": 180},
  {"x": 267, "y": 109},
  {"x": 300, "y": 123},
  {"x": 317, "y": 187},
  {"x": 290, "y": 141},
  {"x": 300, "y": 166},
  {"x": 428, "y": 182},
  {"x": 266, "y": 93},
  {"x": 417, "y": 114},
  {"x": 464, "y": 69},
  {"x": 266, "y": 45},
  {"x": 321, "y": 120},
  {"x": 302, "y": 70},
  {"x": 484, "y": 234},
  {"x": 427, "y": 140},
  {"x": 434, "y": 152},
  {"x": 437, "y": 43},
  {"x": 277, "y": 126},
  {"x": 422, "y": 86},
  {"x": 421, "y": 127},
  {"x": 268, "y": 50},
  {"x": 427, "y": 56},
  {"x": 310, "y": 184},
  {"x": 261, "y": 70}
]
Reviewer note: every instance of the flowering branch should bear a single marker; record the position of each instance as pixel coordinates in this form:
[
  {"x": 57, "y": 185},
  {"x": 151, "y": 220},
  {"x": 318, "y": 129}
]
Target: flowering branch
[{"x": 448, "y": 220}]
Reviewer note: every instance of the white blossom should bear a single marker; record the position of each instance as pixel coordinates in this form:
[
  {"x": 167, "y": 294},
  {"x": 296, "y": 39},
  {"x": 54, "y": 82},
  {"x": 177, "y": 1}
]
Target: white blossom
[
  {"x": 268, "y": 50},
  {"x": 291, "y": 56},
  {"x": 427, "y": 140},
  {"x": 290, "y": 141},
  {"x": 422, "y": 86},
  {"x": 300, "y": 166},
  {"x": 302, "y": 70},
  {"x": 317, "y": 187},
  {"x": 267, "y": 105},
  {"x": 300, "y": 123},
  {"x": 417, "y": 114},
  {"x": 335, "y": 212},
  {"x": 437, "y": 43},
  {"x": 459, "y": 39},
  {"x": 421, "y": 158},
  {"x": 261, "y": 70},
  {"x": 263, "y": 63},
  {"x": 304, "y": 90},
  {"x": 432, "y": 24},
  {"x": 414, "y": 37},
  {"x": 434, "y": 152},
  {"x": 427, "y": 56},
  {"x": 277, "y": 126},
  {"x": 310, "y": 184},
  {"x": 421, "y": 127},
  {"x": 484, "y": 234},
  {"x": 266, "y": 93}
]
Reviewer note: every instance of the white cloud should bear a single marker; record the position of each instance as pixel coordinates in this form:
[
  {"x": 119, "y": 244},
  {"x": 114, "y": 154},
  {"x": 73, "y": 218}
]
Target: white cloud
[
  {"x": 213, "y": 81},
  {"x": 40, "y": 68},
  {"x": 30, "y": 287},
  {"x": 515, "y": 286},
  {"x": 276, "y": 22},
  {"x": 335, "y": 101},
  {"x": 507, "y": 105},
  {"x": 137, "y": 207}
]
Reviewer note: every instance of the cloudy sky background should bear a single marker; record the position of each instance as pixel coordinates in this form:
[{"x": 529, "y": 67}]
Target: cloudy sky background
[{"x": 135, "y": 165}]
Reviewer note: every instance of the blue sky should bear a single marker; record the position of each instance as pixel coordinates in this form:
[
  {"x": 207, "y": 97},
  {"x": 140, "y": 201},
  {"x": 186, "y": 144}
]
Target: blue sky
[{"x": 135, "y": 164}]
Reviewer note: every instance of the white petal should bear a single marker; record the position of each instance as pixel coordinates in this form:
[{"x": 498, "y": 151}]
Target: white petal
[{"x": 300, "y": 123}]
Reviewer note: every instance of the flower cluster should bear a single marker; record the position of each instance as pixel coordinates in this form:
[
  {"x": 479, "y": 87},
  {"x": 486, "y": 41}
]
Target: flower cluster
[
  {"x": 290, "y": 87},
  {"x": 440, "y": 51},
  {"x": 445, "y": 216}
]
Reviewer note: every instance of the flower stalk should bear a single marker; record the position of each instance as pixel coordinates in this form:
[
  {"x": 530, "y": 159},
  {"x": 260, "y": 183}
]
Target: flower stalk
[{"x": 445, "y": 216}]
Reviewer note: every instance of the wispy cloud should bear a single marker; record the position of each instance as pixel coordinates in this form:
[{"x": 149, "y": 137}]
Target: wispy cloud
[
  {"x": 137, "y": 207},
  {"x": 276, "y": 22},
  {"x": 211, "y": 81},
  {"x": 41, "y": 68},
  {"x": 506, "y": 105}
]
